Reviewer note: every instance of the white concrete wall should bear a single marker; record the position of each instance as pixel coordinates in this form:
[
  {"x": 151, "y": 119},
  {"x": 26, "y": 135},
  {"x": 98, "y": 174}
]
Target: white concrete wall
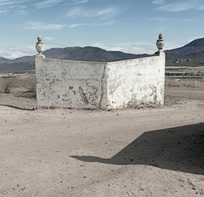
[
  {"x": 92, "y": 85},
  {"x": 69, "y": 84},
  {"x": 136, "y": 82}
]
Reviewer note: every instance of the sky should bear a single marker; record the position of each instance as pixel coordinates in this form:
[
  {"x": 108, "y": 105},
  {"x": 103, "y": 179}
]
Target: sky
[{"x": 127, "y": 25}]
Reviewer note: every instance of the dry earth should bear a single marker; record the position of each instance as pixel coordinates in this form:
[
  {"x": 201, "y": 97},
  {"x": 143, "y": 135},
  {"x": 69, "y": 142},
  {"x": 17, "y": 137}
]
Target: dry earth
[{"x": 73, "y": 153}]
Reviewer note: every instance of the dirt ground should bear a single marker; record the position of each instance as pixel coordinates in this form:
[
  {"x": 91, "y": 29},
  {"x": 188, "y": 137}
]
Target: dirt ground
[{"x": 74, "y": 153}]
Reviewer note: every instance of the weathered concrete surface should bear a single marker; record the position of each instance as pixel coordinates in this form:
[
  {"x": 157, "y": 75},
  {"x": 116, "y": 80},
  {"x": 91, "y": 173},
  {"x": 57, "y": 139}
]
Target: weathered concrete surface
[
  {"x": 71, "y": 84},
  {"x": 92, "y": 85},
  {"x": 136, "y": 82}
]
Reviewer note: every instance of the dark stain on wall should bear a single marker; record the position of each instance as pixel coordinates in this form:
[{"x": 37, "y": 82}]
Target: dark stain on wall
[{"x": 83, "y": 95}]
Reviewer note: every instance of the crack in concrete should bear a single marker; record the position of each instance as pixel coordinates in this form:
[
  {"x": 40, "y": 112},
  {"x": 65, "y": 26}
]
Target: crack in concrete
[
  {"x": 102, "y": 79},
  {"x": 83, "y": 95}
]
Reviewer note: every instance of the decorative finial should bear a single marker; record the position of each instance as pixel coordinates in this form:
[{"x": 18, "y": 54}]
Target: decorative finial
[
  {"x": 160, "y": 36},
  {"x": 160, "y": 43},
  {"x": 39, "y": 46}
]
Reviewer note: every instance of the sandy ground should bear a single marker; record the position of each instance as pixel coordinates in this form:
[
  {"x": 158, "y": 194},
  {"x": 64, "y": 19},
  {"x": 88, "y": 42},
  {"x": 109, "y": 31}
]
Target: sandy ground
[{"x": 73, "y": 153}]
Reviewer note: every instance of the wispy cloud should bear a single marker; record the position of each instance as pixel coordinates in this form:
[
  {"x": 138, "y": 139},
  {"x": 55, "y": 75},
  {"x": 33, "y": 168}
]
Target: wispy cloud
[
  {"x": 43, "y": 26},
  {"x": 178, "y": 7},
  {"x": 159, "y": 19},
  {"x": 48, "y": 38},
  {"x": 201, "y": 8},
  {"x": 12, "y": 52},
  {"x": 3, "y": 11},
  {"x": 47, "y": 3},
  {"x": 81, "y": 12},
  {"x": 135, "y": 48},
  {"x": 12, "y": 7},
  {"x": 80, "y": 1},
  {"x": 10, "y": 2},
  {"x": 6, "y": 2},
  {"x": 194, "y": 38},
  {"x": 158, "y": 1},
  {"x": 169, "y": 19},
  {"x": 91, "y": 24}
]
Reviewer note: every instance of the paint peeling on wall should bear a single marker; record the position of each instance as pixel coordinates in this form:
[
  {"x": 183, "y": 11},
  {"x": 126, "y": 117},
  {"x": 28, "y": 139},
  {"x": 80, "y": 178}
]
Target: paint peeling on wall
[{"x": 94, "y": 85}]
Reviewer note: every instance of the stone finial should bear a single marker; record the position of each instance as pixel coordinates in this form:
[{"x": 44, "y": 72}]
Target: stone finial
[
  {"x": 160, "y": 36},
  {"x": 39, "y": 45},
  {"x": 160, "y": 43}
]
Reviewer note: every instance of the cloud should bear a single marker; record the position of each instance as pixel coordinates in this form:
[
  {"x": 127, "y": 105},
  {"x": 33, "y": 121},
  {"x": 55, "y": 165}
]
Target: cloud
[
  {"x": 42, "y": 26},
  {"x": 12, "y": 52},
  {"x": 159, "y": 19},
  {"x": 48, "y": 38},
  {"x": 4, "y": 11},
  {"x": 194, "y": 38},
  {"x": 91, "y": 24},
  {"x": 81, "y": 12},
  {"x": 11, "y": 7},
  {"x": 201, "y": 8},
  {"x": 11, "y": 3},
  {"x": 77, "y": 25},
  {"x": 135, "y": 48},
  {"x": 158, "y": 1},
  {"x": 170, "y": 19},
  {"x": 47, "y": 3},
  {"x": 139, "y": 48},
  {"x": 7, "y": 2},
  {"x": 178, "y": 7},
  {"x": 80, "y": 1}
]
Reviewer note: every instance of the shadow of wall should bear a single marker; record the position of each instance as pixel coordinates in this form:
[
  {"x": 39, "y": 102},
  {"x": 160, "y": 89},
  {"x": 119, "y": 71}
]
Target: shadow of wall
[{"x": 178, "y": 149}]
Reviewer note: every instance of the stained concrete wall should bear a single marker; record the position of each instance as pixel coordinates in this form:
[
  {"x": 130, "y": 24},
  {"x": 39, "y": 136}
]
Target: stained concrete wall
[
  {"x": 70, "y": 84},
  {"x": 136, "y": 82},
  {"x": 92, "y": 85}
]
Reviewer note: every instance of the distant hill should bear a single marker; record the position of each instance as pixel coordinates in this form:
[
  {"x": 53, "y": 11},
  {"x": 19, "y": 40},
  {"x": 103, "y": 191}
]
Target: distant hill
[
  {"x": 70, "y": 53},
  {"x": 2, "y": 60},
  {"x": 88, "y": 54},
  {"x": 191, "y": 54}
]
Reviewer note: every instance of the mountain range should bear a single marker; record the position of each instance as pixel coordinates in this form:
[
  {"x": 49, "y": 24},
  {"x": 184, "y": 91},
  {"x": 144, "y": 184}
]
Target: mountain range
[
  {"x": 27, "y": 63},
  {"x": 191, "y": 54}
]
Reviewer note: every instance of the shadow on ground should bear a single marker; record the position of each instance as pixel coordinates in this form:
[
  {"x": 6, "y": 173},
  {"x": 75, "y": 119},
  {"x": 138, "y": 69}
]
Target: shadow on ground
[
  {"x": 178, "y": 149},
  {"x": 19, "y": 108}
]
